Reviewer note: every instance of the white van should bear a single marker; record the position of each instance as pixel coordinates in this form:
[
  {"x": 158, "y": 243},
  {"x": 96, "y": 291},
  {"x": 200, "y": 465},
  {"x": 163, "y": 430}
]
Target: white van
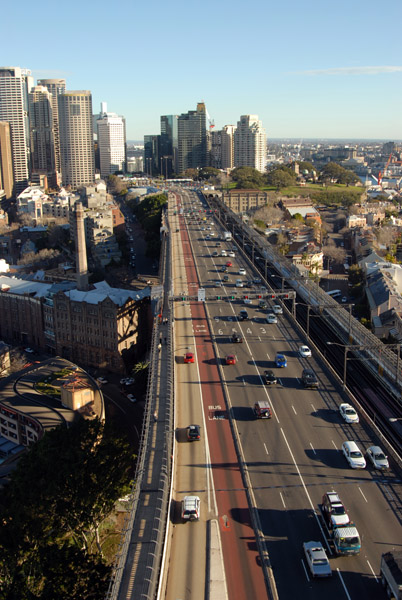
[
  {"x": 190, "y": 508},
  {"x": 353, "y": 455}
]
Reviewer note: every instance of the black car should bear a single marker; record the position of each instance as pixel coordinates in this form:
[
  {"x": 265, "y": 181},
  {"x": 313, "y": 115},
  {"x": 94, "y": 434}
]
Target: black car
[
  {"x": 243, "y": 315},
  {"x": 309, "y": 379},
  {"x": 224, "y": 269},
  {"x": 193, "y": 433},
  {"x": 269, "y": 377},
  {"x": 237, "y": 339}
]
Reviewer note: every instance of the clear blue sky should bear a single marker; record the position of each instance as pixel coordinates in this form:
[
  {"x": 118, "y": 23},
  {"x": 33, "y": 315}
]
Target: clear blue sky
[{"x": 309, "y": 69}]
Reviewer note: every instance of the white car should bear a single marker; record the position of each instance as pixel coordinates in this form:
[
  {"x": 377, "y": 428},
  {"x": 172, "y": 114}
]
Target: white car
[
  {"x": 247, "y": 301},
  {"x": 277, "y": 309},
  {"x": 377, "y": 457},
  {"x": 353, "y": 455},
  {"x": 232, "y": 254},
  {"x": 271, "y": 318},
  {"x": 101, "y": 380},
  {"x": 317, "y": 559},
  {"x": 242, "y": 271},
  {"x": 304, "y": 352},
  {"x": 348, "y": 413},
  {"x": 131, "y": 397},
  {"x": 223, "y": 253},
  {"x": 190, "y": 508},
  {"x": 239, "y": 283},
  {"x": 29, "y": 350}
]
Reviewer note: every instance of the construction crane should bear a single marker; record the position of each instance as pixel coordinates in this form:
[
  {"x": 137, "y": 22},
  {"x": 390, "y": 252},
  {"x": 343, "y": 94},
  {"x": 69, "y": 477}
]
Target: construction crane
[
  {"x": 383, "y": 173},
  {"x": 211, "y": 122}
]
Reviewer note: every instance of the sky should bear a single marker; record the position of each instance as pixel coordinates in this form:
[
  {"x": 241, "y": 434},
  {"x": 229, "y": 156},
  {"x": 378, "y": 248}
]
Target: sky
[{"x": 309, "y": 69}]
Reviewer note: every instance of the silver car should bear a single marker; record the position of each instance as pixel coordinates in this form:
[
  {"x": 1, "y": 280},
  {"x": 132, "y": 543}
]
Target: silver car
[
  {"x": 317, "y": 559},
  {"x": 377, "y": 457}
]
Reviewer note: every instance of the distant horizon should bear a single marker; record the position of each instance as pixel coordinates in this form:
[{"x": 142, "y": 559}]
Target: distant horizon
[{"x": 313, "y": 139}]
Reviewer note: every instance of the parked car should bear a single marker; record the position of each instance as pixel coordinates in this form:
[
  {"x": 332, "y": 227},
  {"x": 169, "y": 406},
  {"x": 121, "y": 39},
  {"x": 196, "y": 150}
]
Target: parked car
[
  {"x": 193, "y": 433},
  {"x": 377, "y": 458},
  {"x": 304, "y": 352},
  {"x": 280, "y": 360},
  {"x": 348, "y": 413},
  {"x": 269, "y": 377},
  {"x": 317, "y": 560},
  {"x": 353, "y": 455}
]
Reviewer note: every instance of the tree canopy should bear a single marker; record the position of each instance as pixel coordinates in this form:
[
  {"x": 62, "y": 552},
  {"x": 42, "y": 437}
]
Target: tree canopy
[
  {"x": 247, "y": 178},
  {"x": 333, "y": 171},
  {"x": 51, "y": 510}
]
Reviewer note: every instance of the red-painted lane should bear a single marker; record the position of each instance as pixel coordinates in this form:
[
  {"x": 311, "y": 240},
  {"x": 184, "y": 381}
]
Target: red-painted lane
[{"x": 244, "y": 575}]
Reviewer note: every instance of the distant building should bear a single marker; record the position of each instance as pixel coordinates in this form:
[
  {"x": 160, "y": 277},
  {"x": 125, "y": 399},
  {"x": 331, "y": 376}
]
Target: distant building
[
  {"x": 55, "y": 87},
  {"x": 15, "y": 83},
  {"x": 6, "y": 160},
  {"x": 111, "y": 129},
  {"x": 76, "y": 138},
  {"x": 169, "y": 145},
  {"x": 41, "y": 133},
  {"x": 250, "y": 143},
  {"x": 243, "y": 200},
  {"x": 192, "y": 139},
  {"x": 227, "y": 143}
]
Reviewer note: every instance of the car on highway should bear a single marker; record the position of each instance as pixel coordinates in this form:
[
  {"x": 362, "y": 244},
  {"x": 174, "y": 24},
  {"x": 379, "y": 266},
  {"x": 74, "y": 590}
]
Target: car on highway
[
  {"x": 280, "y": 360},
  {"x": 214, "y": 253},
  {"x": 262, "y": 409},
  {"x": 29, "y": 350},
  {"x": 231, "y": 254},
  {"x": 236, "y": 338},
  {"x": 269, "y": 377},
  {"x": 348, "y": 413},
  {"x": 353, "y": 455},
  {"x": 333, "y": 510},
  {"x": 242, "y": 271},
  {"x": 207, "y": 237},
  {"x": 224, "y": 268},
  {"x": 309, "y": 379},
  {"x": 226, "y": 278},
  {"x": 190, "y": 508},
  {"x": 239, "y": 283},
  {"x": 271, "y": 318},
  {"x": 102, "y": 380},
  {"x": 243, "y": 315},
  {"x": 193, "y": 433},
  {"x": 189, "y": 357},
  {"x": 228, "y": 264},
  {"x": 131, "y": 397},
  {"x": 304, "y": 352},
  {"x": 277, "y": 309},
  {"x": 223, "y": 253},
  {"x": 127, "y": 381},
  {"x": 230, "y": 359},
  {"x": 377, "y": 458},
  {"x": 317, "y": 560},
  {"x": 247, "y": 301},
  {"x": 262, "y": 304}
]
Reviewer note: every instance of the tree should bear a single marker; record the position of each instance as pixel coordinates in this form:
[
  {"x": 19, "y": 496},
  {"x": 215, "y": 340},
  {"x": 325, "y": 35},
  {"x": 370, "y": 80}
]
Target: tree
[
  {"x": 207, "y": 173},
  {"x": 247, "y": 178},
  {"x": 281, "y": 177}
]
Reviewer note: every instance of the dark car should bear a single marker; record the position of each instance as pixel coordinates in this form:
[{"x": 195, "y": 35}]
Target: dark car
[
  {"x": 269, "y": 377},
  {"x": 237, "y": 339},
  {"x": 243, "y": 315},
  {"x": 193, "y": 433},
  {"x": 309, "y": 379},
  {"x": 224, "y": 269}
]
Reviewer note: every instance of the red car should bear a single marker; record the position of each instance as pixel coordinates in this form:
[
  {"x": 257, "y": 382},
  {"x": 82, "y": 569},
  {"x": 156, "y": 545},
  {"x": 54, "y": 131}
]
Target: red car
[
  {"x": 230, "y": 359},
  {"x": 189, "y": 357},
  {"x": 228, "y": 264}
]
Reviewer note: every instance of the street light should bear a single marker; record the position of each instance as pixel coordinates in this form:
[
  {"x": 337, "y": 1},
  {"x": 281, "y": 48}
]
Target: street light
[{"x": 349, "y": 347}]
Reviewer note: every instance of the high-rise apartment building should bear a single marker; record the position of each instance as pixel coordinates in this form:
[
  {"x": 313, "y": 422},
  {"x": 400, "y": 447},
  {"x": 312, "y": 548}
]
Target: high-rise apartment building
[
  {"x": 55, "y": 87},
  {"x": 250, "y": 143},
  {"x": 15, "y": 83},
  {"x": 6, "y": 160},
  {"x": 169, "y": 145},
  {"x": 111, "y": 142},
  {"x": 192, "y": 139},
  {"x": 227, "y": 147},
  {"x": 76, "y": 138},
  {"x": 41, "y": 133}
]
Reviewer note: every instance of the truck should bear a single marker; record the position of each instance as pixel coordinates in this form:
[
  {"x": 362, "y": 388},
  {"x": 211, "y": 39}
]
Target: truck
[
  {"x": 346, "y": 540},
  {"x": 226, "y": 236},
  {"x": 262, "y": 410},
  {"x": 391, "y": 573}
]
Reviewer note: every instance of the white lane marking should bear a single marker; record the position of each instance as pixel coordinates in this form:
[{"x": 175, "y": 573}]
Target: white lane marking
[
  {"x": 259, "y": 339},
  {"x": 334, "y": 445},
  {"x": 244, "y": 383},
  {"x": 305, "y": 570},
  {"x": 360, "y": 490},
  {"x": 306, "y": 491},
  {"x": 283, "y": 501},
  {"x": 294, "y": 410},
  {"x": 343, "y": 583},
  {"x": 373, "y": 572},
  {"x": 313, "y": 407},
  {"x": 266, "y": 449},
  {"x": 268, "y": 356},
  {"x": 313, "y": 448}
]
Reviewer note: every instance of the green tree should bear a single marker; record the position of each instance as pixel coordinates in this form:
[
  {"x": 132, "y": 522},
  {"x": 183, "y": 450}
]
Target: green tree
[
  {"x": 247, "y": 178},
  {"x": 281, "y": 177}
]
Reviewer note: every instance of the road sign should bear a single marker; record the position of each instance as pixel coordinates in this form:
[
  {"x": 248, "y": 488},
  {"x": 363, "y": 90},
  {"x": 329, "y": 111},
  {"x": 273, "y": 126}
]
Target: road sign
[{"x": 201, "y": 294}]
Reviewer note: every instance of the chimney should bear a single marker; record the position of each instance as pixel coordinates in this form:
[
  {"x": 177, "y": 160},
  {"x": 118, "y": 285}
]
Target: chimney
[{"x": 81, "y": 249}]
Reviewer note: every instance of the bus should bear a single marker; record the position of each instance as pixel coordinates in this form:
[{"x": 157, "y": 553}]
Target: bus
[{"x": 335, "y": 293}]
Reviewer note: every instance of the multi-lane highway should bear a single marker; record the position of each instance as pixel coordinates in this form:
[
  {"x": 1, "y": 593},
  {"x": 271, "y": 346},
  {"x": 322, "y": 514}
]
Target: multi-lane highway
[{"x": 291, "y": 459}]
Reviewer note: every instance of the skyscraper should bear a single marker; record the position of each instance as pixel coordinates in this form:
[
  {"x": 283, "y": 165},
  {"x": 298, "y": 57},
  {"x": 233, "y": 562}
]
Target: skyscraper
[
  {"x": 15, "y": 83},
  {"x": 55, "y": 87},
  {"x": 169, "y": 145},
  {"x": 6, "y": 160},
  {"x": 111, "y": 142},
  {"x": 250, "y": 143},
  {"x": 192, "y": 139},
  {"x": 76, "y": 138},
  {"x": 227, "y": 142},
  {"x": 41, "y": 133}
]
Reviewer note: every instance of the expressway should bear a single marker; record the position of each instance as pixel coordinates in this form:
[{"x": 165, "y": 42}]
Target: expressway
[{"x": 291, "y": 459}]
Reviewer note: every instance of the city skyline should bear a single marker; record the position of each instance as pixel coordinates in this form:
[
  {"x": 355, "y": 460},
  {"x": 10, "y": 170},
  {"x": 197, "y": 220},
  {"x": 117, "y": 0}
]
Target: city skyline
[{"x": 306, "y": 73}]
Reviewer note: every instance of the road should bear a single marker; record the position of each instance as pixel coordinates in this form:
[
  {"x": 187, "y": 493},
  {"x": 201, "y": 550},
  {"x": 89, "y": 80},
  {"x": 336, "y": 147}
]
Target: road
[{"x": 295, "y": 457}]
